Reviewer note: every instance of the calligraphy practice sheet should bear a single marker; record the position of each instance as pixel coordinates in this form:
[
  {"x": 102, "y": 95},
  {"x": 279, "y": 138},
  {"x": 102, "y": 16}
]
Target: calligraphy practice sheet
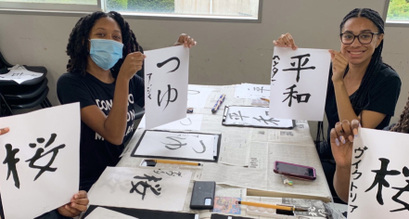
[
  {"x": 197, "y": 95},
  {"x": 186, "y": 145},
  {"x": 40, "y": 160},
  {"x": 379, "y": 184},
  {"x": 192, "y": 122},
  {"x": 166, "y": 85},
  {"x": 144, "y": 188},
  {"x": 19, "y": 74},
  {"x": 299, "y": 81},
  {"x": 246, "y": 90},
  {"x": 253, "y": 116}
]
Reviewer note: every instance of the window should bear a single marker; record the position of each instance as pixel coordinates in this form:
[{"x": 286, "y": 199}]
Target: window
[
  {"x": 230, "y": 9},
  {"x": 398, "y": 11},
  {"x": 216, "y": 9},
  {"x": 50, "y": 5}
]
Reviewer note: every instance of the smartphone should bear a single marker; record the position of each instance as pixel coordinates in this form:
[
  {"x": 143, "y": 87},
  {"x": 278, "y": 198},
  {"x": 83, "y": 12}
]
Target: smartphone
[
  {"x": 295, "y": 170},
  {"x": 203, "y": 195}
]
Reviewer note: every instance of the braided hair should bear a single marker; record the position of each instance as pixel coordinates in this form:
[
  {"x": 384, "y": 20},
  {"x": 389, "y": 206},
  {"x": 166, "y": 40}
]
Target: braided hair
[
  {"x": 403, "y": 124},
  {"x": 78, "y": 50},
  {"x": 376, "y": 62}
]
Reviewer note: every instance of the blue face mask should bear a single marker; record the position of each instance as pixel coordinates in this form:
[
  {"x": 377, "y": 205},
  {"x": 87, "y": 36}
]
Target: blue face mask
[{"x": 105, "y": 53}]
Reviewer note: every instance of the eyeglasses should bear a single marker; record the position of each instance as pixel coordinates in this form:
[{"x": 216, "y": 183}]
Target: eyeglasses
[{"x": 348, "y": 38}]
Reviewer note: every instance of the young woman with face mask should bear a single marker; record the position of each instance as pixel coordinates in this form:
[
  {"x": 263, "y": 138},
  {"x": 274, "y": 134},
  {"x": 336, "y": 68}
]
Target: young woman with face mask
[{"x": 103, "y": 76}]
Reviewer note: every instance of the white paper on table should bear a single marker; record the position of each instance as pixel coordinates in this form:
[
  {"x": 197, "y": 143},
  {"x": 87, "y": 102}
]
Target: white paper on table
[
  {"x": 19, "y": 74},
  {"x": 379, "y": 155},
  {"x": 252, "y": 91},
  {"x": 101, "y": 212},
  {"x": 166, "y": 85},
  {"x": 253, "y": 116},
  {"x": 299, "y": 81},
  {"x": 187, "y": 145},
  {"x": 198, "y": 95},
  {"x": 59, "y": 127},
  {"x": 192, "y": 122},
  {"x": 143, "y": 188}
]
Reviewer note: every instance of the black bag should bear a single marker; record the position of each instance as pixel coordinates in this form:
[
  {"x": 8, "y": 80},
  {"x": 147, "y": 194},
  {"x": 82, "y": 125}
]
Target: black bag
[{"x": 321, "y": 144}]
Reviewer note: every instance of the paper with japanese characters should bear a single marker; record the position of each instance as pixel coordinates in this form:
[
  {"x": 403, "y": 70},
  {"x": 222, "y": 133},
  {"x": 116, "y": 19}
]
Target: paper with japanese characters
[
  {"x": 252, "y": 91},
  {"x": 299, "y": 81},
  {"x": 174, "y": 144},
  {"x": 379, "y": 184},
  {"x": 192, "y": 122},
  {"x": 166, "y": 85},
  {"x": 40, "y": 160},
  {"x": 253, "y": 116},
  {"x": 145, "y": 188},
  {"x": 19, "y": 74}
]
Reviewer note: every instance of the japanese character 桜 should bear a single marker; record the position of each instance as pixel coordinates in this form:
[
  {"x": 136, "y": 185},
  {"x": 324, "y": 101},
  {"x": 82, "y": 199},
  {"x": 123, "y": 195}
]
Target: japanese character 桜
[{"x": 357, "y": 68}]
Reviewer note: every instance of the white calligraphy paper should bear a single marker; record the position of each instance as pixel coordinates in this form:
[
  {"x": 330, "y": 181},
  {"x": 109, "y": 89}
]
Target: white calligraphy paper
[
  {"x": 100, "y": 212},
  {"x": 299, "y": 81},
  {"x": 40, "y": 160},
  {"x": 187, "y": 145},
  {"x": 144, "y": 188},
  {"x": 253, "y": 116},
  {"x": 252, "y": 91},
  {"x": 192, "y": 122},
  {"x": 379, "y": 185},
  {"x": 166, "y": 85},
  {"x": 19, "y": 74},
  {"x": 198, "y": 95}
]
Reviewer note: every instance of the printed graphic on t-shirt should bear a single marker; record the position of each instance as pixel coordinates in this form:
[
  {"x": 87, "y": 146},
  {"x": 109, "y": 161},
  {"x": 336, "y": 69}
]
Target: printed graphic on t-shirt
[{"x": 106, "y": 105}]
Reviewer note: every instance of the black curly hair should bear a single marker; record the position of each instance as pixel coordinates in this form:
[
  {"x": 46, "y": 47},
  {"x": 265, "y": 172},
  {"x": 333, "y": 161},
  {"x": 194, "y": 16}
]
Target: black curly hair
[
  {"x": 403, "y": 124},
  {"x": 77, "y": 48},
  {"x": 376, "y": 62}
]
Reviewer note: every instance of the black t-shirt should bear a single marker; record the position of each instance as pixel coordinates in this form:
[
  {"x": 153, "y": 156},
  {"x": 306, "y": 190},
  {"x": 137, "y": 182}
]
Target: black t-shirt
[
  {"x": 382, "y": 97},
  {"x": 95, "y": 152},
  {"x": 49, "y": 215}
]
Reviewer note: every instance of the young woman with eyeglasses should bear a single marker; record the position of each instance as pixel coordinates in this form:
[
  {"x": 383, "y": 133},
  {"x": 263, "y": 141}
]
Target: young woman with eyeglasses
[{"x": 360, "y": 85}]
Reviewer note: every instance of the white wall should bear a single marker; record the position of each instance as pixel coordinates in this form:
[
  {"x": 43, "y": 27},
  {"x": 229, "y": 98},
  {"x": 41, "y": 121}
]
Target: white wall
[{"x": 227, "y": 52}]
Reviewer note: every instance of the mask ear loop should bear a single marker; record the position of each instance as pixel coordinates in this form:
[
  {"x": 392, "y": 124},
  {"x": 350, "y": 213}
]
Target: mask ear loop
[{"x": 89, "y": 47}]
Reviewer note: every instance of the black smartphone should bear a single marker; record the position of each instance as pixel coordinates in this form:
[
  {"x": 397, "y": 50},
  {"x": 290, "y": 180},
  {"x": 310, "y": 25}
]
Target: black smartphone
[
  {"x": 295, "y": 170},
  {"x": 203, "y": 195}
]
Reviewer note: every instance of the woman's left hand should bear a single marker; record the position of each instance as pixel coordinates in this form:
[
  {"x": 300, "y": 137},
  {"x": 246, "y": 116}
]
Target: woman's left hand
[
  {"x": 79, "y": 203},
  {"x": 341, "y": 139},
  {"x": 185, "y": 40}
]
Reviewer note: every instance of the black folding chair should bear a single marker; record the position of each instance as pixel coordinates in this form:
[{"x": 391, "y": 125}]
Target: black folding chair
[{"x": 26, "y": 95}]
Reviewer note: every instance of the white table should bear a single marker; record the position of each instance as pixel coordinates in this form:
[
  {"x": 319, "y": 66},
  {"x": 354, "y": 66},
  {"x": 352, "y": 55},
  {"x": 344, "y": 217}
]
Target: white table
[{"x": 247, "y": 155}]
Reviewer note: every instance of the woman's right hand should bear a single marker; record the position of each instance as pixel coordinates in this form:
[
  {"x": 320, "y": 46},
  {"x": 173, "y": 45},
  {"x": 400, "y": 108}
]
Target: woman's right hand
[
  {"x": 133, "y": 63},
  {"x": 285, "y": 40},
  {"x": 339, "y": 65}
]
